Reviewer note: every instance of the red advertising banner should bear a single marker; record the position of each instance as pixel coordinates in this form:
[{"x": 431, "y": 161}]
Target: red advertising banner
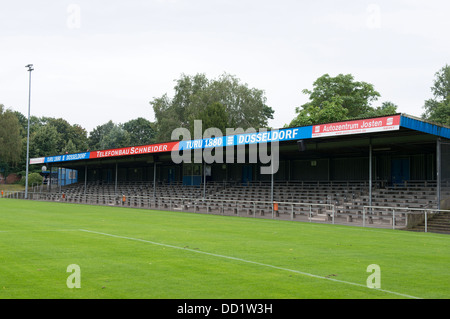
[
  {"x": 379, "y": 124},
  {"x": 39, "y": 160},
  {"x": 136, "y": 150}
]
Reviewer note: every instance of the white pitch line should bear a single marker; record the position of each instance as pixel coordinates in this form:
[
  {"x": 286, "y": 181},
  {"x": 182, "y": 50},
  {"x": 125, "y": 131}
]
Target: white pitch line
[{"x": 250, "y": 262}]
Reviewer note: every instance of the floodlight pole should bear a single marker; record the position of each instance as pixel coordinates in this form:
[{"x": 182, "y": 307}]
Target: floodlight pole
[{"x": 30, "y": 68}]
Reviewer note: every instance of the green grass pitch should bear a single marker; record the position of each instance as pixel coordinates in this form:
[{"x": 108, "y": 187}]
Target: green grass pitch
[{"x": 131, "y": 253}]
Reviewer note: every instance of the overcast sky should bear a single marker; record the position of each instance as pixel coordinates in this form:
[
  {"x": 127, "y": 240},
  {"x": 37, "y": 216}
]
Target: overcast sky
[{"x": 97, "y": 61}]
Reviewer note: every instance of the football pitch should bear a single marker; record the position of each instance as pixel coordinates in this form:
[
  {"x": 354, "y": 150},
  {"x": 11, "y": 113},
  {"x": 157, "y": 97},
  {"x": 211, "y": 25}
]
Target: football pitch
[{"x": 67, "y": 251}]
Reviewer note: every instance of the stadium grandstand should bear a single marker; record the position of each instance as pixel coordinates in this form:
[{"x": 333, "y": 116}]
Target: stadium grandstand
[{"x": 390, "y": 171}]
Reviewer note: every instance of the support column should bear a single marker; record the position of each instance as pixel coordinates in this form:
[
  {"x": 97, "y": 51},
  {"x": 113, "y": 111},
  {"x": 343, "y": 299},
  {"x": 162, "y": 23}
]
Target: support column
[
  {"x": 154, "y": 178},
  {"x": 370, "y": 172},
  {"x": 438, "y": 172},
  {"x": 49, "y": 185},
  {"x": 115, "y": 182},
  {"x": 271, "y": 187},
  {"x": 85, "y": 179},
  {"x": 289, "y": 171},
  {"x": 204, "y": 180}
]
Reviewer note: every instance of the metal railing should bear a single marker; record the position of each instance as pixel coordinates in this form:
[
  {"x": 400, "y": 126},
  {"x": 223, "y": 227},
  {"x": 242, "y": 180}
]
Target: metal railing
[
  {"x": 401, "y": 213},
  {"x": 326, "y": 212},
  {"x": 309, "y": 211}
]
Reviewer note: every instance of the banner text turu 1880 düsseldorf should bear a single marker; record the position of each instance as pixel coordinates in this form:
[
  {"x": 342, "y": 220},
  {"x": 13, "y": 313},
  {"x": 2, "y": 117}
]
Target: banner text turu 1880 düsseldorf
[{"x": 379, "y": 124}]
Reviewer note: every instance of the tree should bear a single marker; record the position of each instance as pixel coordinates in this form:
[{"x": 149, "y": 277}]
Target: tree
[
  {"x": 140, "y": 130},
  {"x": 386, "y": 108},
  {"x": 67, "y": 132},
  {"x": 109, "y": 135},
  {"x": 97, "y": 134},
  {"x": 69, "y": 147},
  {"x": 117, "y": 137},
  {"x": 10, "y": 138},
  {"x": 78, "y": 135},
  {"x": 62, "y": 127},
  {"x": 69, "y": 138},
  {"x": 35, "y": 123},
  {"x": 244, "y": 107},
  {"x": 339, "y": 98},
  {"x": 438, "y": 108},
  {"x": 329, "y": 111},
  {"x": 356, "y": 96},
  {"x": 45, "y": 141},
  {"x": 33, "y": 178},
  {"x": 214, "y": 115},
  {"x": 171, "y": 113}
]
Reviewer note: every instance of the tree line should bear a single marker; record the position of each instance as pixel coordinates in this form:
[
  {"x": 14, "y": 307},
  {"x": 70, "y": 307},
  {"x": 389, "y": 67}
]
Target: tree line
[{"x": 224, "y": 102}]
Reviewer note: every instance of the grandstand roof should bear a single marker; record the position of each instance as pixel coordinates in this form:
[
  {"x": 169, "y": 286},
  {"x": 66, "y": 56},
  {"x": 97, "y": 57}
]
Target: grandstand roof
[{"x": 376, "y": 126}]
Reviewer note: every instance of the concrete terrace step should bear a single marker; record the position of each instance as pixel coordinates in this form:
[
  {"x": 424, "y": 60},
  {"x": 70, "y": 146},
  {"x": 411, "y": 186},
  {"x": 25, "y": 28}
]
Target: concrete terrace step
[{"x": 440, "y": 223}]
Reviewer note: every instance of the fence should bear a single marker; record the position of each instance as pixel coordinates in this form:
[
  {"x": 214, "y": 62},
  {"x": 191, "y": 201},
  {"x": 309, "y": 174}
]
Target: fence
[
  {"x": 277, "y": 210},
  {"x": 395, "y": 217},
  {"x": 409, "y": 217}
]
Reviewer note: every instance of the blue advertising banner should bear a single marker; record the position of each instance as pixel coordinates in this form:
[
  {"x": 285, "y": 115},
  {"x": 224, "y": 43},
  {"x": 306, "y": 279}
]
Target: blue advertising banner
[
  {"x": 67, "y": 157},
  {"x": 287, "y": 134}
]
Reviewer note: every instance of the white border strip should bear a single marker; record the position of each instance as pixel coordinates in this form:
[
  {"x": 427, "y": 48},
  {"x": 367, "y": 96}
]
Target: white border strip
[{"x": 248, "y": 261}]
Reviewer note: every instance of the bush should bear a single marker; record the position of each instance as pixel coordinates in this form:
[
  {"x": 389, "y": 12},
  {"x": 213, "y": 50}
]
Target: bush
[{"x": 33, "y": 178}]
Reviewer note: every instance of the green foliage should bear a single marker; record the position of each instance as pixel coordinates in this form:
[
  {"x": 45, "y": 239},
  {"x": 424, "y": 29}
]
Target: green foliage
[
  {"x": 33, "y": 178},
  {"x": 69, "y": 147},
  {"x": 115, "y": 138},
  {"x": 98, "y": 133},
  {"x": 438, "y": 108},
  {"x": 340, "y": 98},
  {"x": 195, "y": 96},
  {"x": 78, "y": 135},
  {"x": 10, "y": 138},
  {"x": 141, "y": 131},
  {"x": 329, "y": 111},
  {"x": 356, "y": 96},
  {"x": 439, "y": 112},
  {"x": 111, "y": 135},
  {"x": 45, "y": 141},
  {"x": 386, "y": 108},
  {"x": 50, "y": 136},
  {"x": 214, "y": 116}
]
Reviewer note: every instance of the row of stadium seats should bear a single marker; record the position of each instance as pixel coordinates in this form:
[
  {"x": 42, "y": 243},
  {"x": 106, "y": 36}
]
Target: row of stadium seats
[{"x": 318, "y": 201}]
